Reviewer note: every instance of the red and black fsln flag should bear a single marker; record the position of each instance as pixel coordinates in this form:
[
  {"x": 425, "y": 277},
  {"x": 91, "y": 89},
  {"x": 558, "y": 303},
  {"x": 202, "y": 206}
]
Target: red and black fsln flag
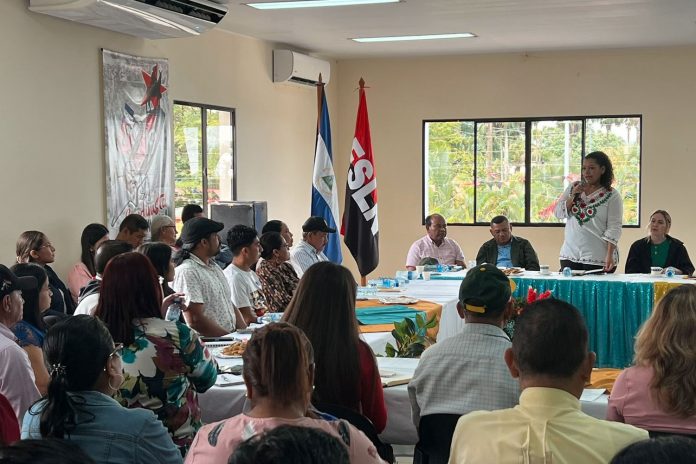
[{"x": 360, "y": 227}]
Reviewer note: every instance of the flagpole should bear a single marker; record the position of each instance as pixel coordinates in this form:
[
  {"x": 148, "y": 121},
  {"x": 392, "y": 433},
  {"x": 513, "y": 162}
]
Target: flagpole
[
  {"x": 363, "y": 278},
  {"x": 320, "y": 90}
]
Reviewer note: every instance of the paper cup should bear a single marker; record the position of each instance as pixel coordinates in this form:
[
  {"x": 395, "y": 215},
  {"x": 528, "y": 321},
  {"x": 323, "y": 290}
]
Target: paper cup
[
  {"x": 420, "y": 269},
  {"x": 426, "y": 275},
  {"x": 544, "y": 269},
  {"x": 655, "y": 271}
]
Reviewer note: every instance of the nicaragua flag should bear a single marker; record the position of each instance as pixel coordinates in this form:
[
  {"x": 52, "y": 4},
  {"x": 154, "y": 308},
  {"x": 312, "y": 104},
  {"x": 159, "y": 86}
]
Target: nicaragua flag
[{"x": 324, "y": 189}]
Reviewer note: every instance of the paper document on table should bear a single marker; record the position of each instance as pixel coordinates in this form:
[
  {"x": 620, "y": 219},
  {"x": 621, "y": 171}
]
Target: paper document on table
[
  {"x": 396, "y": 379},
  {"x": 226, "y": 380},
  {"x": 592, "y": 394}
]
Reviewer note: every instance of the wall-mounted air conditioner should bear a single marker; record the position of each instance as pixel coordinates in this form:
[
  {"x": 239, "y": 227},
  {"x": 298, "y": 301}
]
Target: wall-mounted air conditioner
[
  {"x": 152, "y": 19},
  {"x": 289, "y": 66}
]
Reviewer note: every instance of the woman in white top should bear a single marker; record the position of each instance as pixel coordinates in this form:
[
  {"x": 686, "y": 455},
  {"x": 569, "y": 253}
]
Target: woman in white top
[{"x": 594, "y": 213}]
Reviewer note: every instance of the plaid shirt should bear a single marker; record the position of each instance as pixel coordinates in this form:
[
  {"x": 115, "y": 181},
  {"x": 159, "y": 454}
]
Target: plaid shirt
[{"x": 464, "y": 373}]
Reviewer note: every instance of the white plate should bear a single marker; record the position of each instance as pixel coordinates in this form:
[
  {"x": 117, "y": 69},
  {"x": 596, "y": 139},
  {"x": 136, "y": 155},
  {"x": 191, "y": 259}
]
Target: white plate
[
  {"x": 398, "y": 300},
  {"x": 217, "y": 352}
]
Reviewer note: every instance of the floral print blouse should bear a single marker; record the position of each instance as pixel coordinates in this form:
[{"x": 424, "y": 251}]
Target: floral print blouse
[
  {"x": 164, "y": 369},
  {"x": 278, "y": 283}
]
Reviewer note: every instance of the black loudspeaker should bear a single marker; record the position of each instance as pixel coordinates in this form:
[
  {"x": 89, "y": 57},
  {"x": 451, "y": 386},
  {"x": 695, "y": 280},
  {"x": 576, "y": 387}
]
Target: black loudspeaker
[{"x": 250, "y": 213}]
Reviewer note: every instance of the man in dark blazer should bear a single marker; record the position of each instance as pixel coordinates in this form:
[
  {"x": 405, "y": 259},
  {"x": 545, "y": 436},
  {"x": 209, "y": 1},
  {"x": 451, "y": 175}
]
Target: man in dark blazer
[{"x": 504, "y": 249}]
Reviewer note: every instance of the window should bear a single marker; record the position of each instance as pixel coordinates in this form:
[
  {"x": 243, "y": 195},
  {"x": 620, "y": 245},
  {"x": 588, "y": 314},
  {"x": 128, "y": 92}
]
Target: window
[
  {"x": 204, "y": 155},
  {"x": 477, "y": 169}
]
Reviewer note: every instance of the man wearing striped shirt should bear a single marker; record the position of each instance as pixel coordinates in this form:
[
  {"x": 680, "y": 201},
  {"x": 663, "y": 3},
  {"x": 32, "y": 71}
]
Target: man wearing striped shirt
[{"x": 315, "y": 233}]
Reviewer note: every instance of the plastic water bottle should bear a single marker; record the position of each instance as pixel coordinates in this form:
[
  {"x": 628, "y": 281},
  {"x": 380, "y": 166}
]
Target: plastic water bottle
[
  {"x": 669, "y": 273},
  {"x": 567, "y": 272},
  {"x": 174, "y": 310}
]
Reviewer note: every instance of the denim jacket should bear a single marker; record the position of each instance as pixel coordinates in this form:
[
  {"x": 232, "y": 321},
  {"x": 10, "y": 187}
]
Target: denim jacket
[{"x": 110, "y": 433}]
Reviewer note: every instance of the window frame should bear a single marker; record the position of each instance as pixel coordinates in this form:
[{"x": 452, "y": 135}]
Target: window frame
[
  {"x": 527, "y": 160},
  {"x": 203, "y": 107}
]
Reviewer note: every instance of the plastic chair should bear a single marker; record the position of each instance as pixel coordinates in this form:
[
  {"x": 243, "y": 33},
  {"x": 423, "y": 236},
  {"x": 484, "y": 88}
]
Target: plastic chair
[
  {"x": 361, "y": 423},
  {"x": 435, "y": 438}
]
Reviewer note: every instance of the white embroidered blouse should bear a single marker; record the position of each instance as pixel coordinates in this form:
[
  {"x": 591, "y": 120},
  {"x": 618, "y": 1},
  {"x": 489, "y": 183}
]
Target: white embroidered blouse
[{"x": 593, "y": 221}]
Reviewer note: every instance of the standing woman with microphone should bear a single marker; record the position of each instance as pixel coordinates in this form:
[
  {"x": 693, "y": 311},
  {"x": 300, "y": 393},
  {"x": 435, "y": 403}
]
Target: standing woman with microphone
[{"x": 594, "y": 213}]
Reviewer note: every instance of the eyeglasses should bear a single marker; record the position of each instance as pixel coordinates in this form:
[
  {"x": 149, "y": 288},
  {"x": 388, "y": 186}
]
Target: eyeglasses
[{"x": 118, "y": 350}]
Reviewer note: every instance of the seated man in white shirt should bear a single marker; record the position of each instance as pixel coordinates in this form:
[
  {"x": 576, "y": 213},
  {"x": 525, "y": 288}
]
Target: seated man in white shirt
[
  {"x": 467, "y": 372},
  {"x": 16, "y": 375},
  {"x": 549, "y": 357},
  {"x": 315, "y": 236},
  {"x": 245, "y": 285},
  {"x": 210, "y": 311},
  {"x": 435, "y": 244},
  {"x": 89, "y": 294}
]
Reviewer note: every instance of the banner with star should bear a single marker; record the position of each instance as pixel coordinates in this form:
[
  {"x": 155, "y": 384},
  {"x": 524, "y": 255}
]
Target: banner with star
[{"x": 137, "y": 123}]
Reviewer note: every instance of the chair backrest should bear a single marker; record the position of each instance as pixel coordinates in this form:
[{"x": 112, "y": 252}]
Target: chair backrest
[
  {"x": 361, "y": 423},
  {"x": 656, "y": 434},
  {"x": 435, "y": 438}
]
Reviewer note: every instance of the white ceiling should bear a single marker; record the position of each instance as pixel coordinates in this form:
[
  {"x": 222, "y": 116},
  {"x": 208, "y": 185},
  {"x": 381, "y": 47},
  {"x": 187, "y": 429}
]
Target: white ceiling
[{"x": 501, "y": 26}]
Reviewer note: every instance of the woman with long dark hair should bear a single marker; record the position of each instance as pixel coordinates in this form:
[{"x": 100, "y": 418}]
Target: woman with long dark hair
[
  {"x": 593, "y": 210},
  {"x": 657, "y": 393},
  {"x": 31, "y": 330},
  {"x": 164, "y": 362},
  {"x": 92, "y": 236},
  {"x": 346, "y": 375},
  {"x": 278, "y": 373},
  {"x": 34, "y": 247},
  {"x": 85, "y": 368},
  {"x": 160, "y": 255}
]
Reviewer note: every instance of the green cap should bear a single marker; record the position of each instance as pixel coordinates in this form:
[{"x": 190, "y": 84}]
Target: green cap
[{"x": 485, "y": 289}]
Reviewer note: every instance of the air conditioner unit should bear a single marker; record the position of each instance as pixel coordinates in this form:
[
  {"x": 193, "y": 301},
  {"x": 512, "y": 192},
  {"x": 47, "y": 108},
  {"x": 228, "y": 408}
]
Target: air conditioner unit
[
  {"x": 152, "y": 19},
  {"x": 289, "y": 66}
]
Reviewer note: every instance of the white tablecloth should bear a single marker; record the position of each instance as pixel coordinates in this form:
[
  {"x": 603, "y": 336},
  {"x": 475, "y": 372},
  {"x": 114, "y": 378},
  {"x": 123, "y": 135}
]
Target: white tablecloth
[
  {"x": 222, "y": 402},
  {"x": 444, "y": 292}
]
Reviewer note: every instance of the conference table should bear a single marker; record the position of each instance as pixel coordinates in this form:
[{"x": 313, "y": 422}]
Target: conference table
[
  {"x": 221, "y": 402},
  {"x": 614, "y": 306}
]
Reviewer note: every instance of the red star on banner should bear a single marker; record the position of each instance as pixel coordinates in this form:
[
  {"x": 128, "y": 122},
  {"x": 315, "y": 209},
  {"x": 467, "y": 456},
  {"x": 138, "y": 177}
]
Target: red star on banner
[{"x": 154, "y": 89}]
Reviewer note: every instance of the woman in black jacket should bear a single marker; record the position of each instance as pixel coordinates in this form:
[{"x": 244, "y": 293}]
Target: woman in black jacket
[{"x": 658, "y": 249}]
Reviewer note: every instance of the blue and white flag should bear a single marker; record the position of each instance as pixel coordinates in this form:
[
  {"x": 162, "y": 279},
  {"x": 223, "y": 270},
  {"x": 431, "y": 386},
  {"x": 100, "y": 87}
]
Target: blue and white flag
[{"x": 324, "y": 188}]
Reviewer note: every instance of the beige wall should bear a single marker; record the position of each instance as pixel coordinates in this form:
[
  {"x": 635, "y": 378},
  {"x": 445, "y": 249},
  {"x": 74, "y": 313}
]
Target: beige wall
[
  {"x": 52, "y": 174},
  {"x": 658, "y": 83},
  {"x": 52, "y": 168}
]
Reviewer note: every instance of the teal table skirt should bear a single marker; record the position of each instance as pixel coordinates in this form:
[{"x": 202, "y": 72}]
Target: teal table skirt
[
  {"x": 613, "y": 312},
  {"x": 385, "y": 314}
]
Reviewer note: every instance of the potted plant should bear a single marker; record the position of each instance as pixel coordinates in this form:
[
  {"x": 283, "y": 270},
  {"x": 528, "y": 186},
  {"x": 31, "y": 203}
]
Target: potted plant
[{"x": 411, "y": 337}]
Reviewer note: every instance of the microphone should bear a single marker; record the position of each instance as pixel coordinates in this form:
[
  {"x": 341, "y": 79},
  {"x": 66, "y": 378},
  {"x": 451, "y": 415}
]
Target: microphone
[{"x": 577, "y": 195}]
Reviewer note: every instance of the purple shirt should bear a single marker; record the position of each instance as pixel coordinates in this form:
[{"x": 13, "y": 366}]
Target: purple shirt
[
  {"x": 447, "y": 253},
  {"x": 631, "y": 402}
]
